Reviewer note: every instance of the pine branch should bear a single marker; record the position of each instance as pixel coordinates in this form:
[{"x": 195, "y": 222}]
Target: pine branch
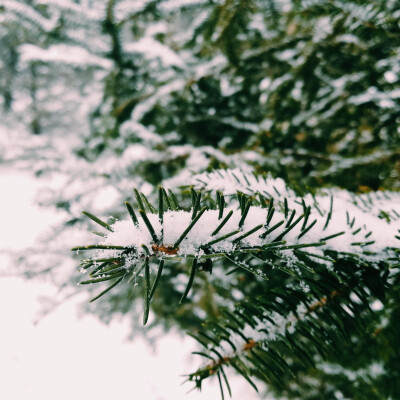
[
  {"x": 241, "y": 236},
  {"x": 263, "y": 234},
  {"x": 274, "y": 337}
]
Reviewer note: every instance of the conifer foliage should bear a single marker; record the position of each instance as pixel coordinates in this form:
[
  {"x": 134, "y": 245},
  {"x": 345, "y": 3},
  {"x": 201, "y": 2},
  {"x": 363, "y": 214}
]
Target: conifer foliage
[
  {"x": 261, "y": 140},
  {"x": 317, "y": 266}
]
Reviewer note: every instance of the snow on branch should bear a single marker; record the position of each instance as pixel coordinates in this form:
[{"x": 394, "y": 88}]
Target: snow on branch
[
  {"x": 376, "y": 215},
  {"x": 30, "y": 14},
  {"x": 151, "y": 48},
  {"x": 62, "y": 53},
  {"x": 234, "y": 226}
]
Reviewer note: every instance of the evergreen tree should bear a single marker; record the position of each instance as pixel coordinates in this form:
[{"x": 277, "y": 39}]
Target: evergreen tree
[{"x": 272, "y": 128}]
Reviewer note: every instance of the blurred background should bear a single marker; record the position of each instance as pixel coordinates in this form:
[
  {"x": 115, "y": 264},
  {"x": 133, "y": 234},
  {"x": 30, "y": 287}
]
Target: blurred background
[{"x": 98, "y": 97}]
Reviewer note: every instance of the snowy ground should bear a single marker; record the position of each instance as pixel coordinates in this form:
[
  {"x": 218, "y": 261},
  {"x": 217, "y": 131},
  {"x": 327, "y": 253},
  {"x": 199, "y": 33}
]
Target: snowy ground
[{"x": 63, "y": 357}]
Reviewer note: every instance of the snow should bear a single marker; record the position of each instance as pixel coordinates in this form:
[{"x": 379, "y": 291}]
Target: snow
[
  {"x": 60, "y": 358},
  {"x": 170, "y": 5},
  {"x": 372, "y": 371},
  {"x": 265, "y": 83},
  {"x": 18, "y": 212},
  {"x": 151, "y": 48},
  {"x": 131, "y": 127},
  {"x": 348, "y": 38},
  {"x": 160, "y": 94},
  {"x": 29, "y": 13},
  {"x": 341, "y": 164},
  {"x": 385, "y": 99},
  {"x": 62, "y": 53},
  {"x": 124, "y": 8},
  {"x": 92, "y": 11}
]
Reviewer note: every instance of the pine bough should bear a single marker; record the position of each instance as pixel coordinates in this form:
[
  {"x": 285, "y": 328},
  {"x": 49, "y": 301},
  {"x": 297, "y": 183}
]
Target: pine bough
[{"x": 338, "y": 249}]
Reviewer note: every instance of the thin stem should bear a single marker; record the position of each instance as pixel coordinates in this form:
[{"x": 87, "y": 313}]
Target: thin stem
[
  {"x": 107, "y": 290},
  {"x": 267, "y": 232},
  {"x": 186, "y": 231},
  {"x": 245, "y": 212},
  {"x": 146, "y": 291},
  {"x": 132, "y": 213},
  {"x": 138, "y": 199},
  {"x": 159, "y": 272},
  {"x": 250, "y": 232},
  {"x": 149, "y": 226},
  {"x": 221, "y": 225},
  {"x": 98, "y": 221},
  {"x": 221, "y": 238},
  {"x": 303, "y": 232},
  {"x": 190, "y": 281}
]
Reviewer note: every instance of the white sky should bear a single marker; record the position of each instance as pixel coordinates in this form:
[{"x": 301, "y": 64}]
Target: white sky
[{"x": 64, "y": 357}]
